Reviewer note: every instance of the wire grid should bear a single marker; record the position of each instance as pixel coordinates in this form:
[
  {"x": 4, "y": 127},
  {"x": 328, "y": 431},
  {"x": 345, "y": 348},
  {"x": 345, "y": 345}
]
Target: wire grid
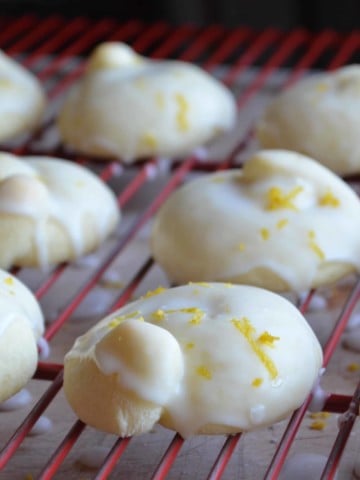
[{"x": 55, "y": 48}]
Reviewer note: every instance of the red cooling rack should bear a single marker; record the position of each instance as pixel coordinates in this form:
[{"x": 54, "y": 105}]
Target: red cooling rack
[{"x": 55, "y": 48}]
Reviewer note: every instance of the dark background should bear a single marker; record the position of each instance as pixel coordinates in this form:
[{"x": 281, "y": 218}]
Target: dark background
[{"x": 313, "y": 14}]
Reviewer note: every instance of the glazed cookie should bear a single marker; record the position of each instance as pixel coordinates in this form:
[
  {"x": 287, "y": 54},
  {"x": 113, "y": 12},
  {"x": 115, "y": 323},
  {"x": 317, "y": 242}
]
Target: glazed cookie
[
  {"x": 21, "y": 325},
  {"x": 202, "y": 358},
  {"x": 51, "y": 211},
  {"x": 318, "y": 117},
  {"x": 284, "y": 223},
  {"x": 22, "y": 101},
  {"x": 131, "y": 107}
]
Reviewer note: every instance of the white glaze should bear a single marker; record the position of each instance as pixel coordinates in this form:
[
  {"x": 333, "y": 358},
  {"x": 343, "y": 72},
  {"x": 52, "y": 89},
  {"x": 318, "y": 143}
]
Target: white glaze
[
  {"x": 43, "y": 188},
  {"x": 216, "y": 346},
  {"x": 174, "y": 106},
  {"x": 319, "y": 117},
  {"x": 16, "y": 300},
  {"x": 213, "y": 228},
  {"x": 22, "y": 100}
]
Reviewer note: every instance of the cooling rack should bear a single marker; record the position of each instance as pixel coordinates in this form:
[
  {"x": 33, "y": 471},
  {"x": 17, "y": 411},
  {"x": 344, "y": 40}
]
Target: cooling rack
[{"x": 254, "y": 64}]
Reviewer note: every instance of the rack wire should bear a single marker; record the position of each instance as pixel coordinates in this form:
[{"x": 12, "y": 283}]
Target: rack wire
[{"x": 249, "y": 62}]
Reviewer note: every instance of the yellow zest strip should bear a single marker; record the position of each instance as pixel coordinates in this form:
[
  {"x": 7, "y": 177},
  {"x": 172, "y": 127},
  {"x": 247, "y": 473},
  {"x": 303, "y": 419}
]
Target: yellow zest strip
[
  {"x": 158, "y": 315},
  {"x": 265, "y": 234},
  {"x": 201, "y": 284},
  {"x": 277, "y": 199},
  {"x": 117, "y": 320},
  {"x": 317, "y": 425},
  {"x": 353, "y": 367},
  {"x": 247, "y": 330},
  {"x": 197, "y": 314},
  {"x": 151, "y": 293},
  {"x": 183, "y": 109},
  {"x": 149, "y": 140},
  {"x": 318, "y": 415},
  {"x": 160, "y": 100},
  {"x": 267, "y": 339},
  {"x": 329, "y": 200},
  {"x": 282, "y": 223},
  {"x": 314, "y": 246},
  {"x": 257, "y": 382},
  {"x": 204, "y": 372}
]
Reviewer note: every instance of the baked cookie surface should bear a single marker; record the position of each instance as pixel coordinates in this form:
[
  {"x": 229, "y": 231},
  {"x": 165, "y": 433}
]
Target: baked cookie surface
[
  {"x": 51, "y": 211},
  {"x": 202, "y": 358},
  {"x": 130, "y": 107},
  {"x": 22, "y": 100},
  {"x": 284, "y": 222},
  {"x": 319, "y": 117},
  {"x": 21, "y": 325}
]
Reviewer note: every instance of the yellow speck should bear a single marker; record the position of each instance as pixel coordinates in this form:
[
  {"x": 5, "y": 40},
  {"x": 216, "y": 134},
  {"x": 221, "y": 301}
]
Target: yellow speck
[
  {"x": 276, "y": 199},
  {"x": 204, "y": 372},
  {"x": 158, "y": 315},
  {"x": 329, "y": 200},
  {"x": 140, "y": 83},
  {"x": 282, "y": 223},
  {"x": 117, "y": 320},
  {"x": 111, "y": 284},
  {"x": 241, "y": 247},
  {"x": 267, "y": 339},
  {"x": 248, "y": 331},
  {"x": 228, "y": 284},
  {"x": 197, "y": 314},
  {"x": 353, "y": 367},
  {"x": 79, "y": 183},
  {"x": 317, "y": 425},
  {"x": 160, "y": 100},
  {"x": 265, "y": 234},
  {"x": 190, "y": 345},
  {"x": 151, "y": 293},
  {"x": 314, "y": 246},
  {"x": 149, "y": 139},
  {"x": 322, "y": 87},
  {"x": 318, "y": 415},
  {"x": 6, "y": 83},
  {"x": 182, "y": 112},
  {"x": 257, "y": 382},
  {"x": 201, "y": 284},
  {"x": 9, "y": 281},
  {"x": 218, "y": 179}
]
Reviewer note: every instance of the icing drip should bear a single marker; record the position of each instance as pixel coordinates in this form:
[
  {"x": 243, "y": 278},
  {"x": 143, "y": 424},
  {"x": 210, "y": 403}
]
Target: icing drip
[
  {"x": 93, "y": 457},
  {"x": 19, "y": 400},
  {"x": 43, "y": 425},
  {"x": 44, "y": 348}
]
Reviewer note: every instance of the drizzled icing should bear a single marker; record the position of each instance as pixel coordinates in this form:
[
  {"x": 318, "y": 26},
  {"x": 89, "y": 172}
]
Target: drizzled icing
[
  {"x": 276, "y": 215},
  {"x": 174, "y": 106},
  {"x": 240, "y": 363},
  {"x": 17, "y": 301},
  {"x": 44, "y": 189},
  {"x": 22, "y": 100}
]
